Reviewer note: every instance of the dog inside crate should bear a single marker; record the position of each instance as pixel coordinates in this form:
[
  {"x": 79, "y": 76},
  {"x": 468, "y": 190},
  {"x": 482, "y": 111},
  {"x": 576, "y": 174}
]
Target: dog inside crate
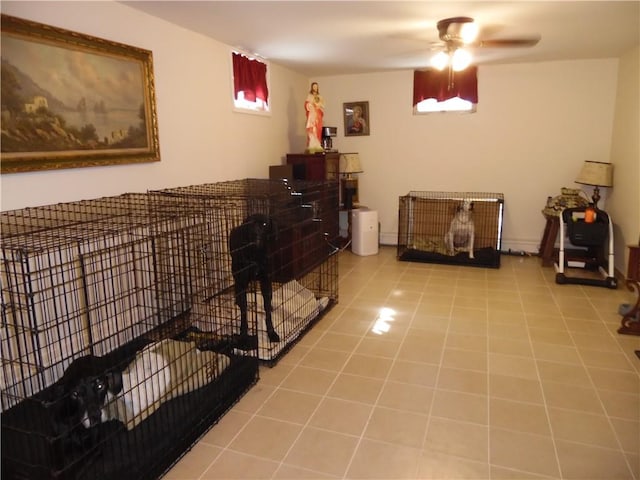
[
  {"x": 119, "y": 347},
  {"x": 450, "y": 227},
  {"x": 268, "y": 236},
  {"x": 261, "y": 251},
  {"x": 249, "y": 245},
  {"x": 127, "y": 398},
  {"x": 294, "y": 307},
  {"x": 99, "y": 380}
]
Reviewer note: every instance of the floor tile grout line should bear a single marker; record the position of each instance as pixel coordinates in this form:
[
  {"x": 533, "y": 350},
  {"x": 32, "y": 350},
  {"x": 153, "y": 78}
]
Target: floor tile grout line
[
  {"x": 324, "y": 396},
  {"x": 437, "y": 379},
  {"x": 255, "y": 414},
  {"x": 598, "y": 393},
  {"x": 583, "y": 356},
  {"x": 542, "y": 392},
  {"x": 620, "y": 448},
  {"x": 614, "y": 337},
  {"x": 455, "y": 420},
  {"x": 488, "y": 386},
  {"x": 602, "y": 405},
  {"x": 375, "y": 404}
]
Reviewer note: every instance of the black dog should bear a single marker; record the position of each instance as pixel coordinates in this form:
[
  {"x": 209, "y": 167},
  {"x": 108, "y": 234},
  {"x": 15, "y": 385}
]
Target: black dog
[
  {"x": 249, "y": 244},
  {"x": 81, "y": 392},
  {"x": 78, "y": 399},
  {"x": 76, "y": 404}
]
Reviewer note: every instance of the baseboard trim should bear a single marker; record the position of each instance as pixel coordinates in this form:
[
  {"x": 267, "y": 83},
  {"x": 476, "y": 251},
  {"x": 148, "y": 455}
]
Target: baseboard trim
[{"x": 530, "y": 247}]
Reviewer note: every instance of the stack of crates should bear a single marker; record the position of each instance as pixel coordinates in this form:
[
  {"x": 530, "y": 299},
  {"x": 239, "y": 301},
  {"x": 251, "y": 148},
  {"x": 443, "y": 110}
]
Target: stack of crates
[{"x": 303, "y": 264}]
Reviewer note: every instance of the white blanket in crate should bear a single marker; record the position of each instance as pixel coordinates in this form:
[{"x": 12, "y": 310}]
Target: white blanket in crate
[
  {"x": 293, "y": 308},
  {"x": 162, "y": 371}
]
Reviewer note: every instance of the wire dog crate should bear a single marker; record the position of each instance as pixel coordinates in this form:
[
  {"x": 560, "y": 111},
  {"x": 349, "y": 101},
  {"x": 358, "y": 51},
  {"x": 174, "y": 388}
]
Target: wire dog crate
[
  {"x": 302, "y": 263},
  {"x": 103, "y": 290},
  {"x": 441, "y": 227}
]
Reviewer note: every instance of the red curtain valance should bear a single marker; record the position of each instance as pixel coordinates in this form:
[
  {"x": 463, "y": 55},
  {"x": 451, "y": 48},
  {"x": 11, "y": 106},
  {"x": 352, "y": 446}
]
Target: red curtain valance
[
  {"x": 432, "y": 83},
  {"x": 250, "y": 77}
]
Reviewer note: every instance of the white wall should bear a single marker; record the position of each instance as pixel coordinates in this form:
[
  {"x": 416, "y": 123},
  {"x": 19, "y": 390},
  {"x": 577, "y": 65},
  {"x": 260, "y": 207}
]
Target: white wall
[
  {"x": 535, "y": 125},
  {"x": 624, "y": 204},
  {"x": 201, "y": 138}
]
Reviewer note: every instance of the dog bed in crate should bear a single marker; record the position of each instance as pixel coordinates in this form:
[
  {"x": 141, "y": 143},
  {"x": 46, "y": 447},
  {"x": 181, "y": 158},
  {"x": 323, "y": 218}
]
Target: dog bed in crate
[
  {"x": 125, "y": 447},
  {"x": 425, "y": 219},
  {"x": 295, "y": 309}
]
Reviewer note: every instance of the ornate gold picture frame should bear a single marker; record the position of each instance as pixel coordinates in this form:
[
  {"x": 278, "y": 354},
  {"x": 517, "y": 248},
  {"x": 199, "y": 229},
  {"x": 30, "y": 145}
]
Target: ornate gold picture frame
[{"x": 72, "y": 100}]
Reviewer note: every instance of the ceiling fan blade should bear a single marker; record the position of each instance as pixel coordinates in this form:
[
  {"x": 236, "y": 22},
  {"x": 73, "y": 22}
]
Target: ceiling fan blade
[
  {"x": 508, "y": 42},
  {"x": 436, "y": 45}
]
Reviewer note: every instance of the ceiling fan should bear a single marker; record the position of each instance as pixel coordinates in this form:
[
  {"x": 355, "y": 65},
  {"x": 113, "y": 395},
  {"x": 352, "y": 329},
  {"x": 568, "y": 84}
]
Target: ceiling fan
[{"x": 458, "y": 34}]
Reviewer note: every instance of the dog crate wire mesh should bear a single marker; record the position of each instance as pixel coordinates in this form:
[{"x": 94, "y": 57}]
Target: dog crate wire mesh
[
  {"x": 100, "y": 280},
  {"x": 303, "y": 264},
  {"x": 426, "y": 218}
]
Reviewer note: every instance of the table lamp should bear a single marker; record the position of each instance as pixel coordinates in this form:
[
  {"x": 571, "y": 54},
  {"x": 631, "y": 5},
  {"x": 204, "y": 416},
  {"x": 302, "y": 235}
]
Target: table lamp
[
  {"x": 596, "y": 174},
  {"x": 349, "y": 164}
]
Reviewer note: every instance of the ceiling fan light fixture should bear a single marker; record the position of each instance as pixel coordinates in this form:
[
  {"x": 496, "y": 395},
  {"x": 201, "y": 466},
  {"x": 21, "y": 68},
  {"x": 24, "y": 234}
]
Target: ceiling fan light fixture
[
  {"x": 468, "y": 32},
  {"x": 440, "y": 60},
  {"x": 460, "y": 60}
]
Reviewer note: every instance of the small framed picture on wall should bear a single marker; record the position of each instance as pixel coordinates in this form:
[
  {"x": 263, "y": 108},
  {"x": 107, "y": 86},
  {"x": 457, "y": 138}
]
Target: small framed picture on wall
[{"x": 356, "y": 119}]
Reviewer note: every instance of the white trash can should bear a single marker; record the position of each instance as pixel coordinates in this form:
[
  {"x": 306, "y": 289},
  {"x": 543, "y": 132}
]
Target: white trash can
[{"x": 364, "y": 231}]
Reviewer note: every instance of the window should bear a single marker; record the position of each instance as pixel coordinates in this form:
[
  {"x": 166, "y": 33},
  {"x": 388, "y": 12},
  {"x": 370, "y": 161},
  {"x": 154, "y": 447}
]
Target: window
[
  {"x": 250, "y": 83},
  {"x": 455, "y": 104},
  {"x": 445, "y": 91}
]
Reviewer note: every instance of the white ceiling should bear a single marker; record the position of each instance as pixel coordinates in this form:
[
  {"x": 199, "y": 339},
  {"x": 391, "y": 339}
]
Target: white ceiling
[{"x": 328, "y": 37}]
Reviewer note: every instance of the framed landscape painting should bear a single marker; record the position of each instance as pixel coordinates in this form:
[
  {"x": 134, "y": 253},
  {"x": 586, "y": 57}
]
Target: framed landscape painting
[{"x": 71, "y": 100}]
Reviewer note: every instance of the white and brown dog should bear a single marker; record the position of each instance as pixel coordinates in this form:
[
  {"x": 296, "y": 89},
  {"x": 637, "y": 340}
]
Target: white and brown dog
[{"x": 461, "y": 233}]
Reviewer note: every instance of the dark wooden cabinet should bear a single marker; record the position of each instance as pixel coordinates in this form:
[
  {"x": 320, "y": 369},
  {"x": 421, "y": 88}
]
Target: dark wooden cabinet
[
  {"x": 314, "y": 166},
  {"x": 309, "y": 243},
  {"x": 304, "y": 244}
]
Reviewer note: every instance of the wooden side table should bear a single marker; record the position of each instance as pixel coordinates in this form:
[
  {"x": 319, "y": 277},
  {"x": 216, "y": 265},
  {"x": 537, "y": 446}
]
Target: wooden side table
[{"x": 547, "y": 245}]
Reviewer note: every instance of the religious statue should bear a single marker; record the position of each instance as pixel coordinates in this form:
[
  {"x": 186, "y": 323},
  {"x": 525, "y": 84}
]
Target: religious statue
[{"x": 314, "y": 107}]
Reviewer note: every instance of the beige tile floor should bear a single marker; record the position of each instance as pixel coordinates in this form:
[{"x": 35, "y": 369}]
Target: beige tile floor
[{"x": 426, "y": 371}]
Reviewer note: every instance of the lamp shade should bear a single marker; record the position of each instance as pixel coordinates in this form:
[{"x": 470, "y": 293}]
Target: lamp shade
[
  {"x": 440, "y": 60},
  {"x": 596, "y": 173},
  {"x": 460, "y": 59},
  {"x": 350, "y": 163}
]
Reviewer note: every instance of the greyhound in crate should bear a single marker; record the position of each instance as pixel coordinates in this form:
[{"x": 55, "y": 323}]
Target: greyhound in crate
[
  {"x": 249, "y": 244},
  {"x": 460, "y": 236}
]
